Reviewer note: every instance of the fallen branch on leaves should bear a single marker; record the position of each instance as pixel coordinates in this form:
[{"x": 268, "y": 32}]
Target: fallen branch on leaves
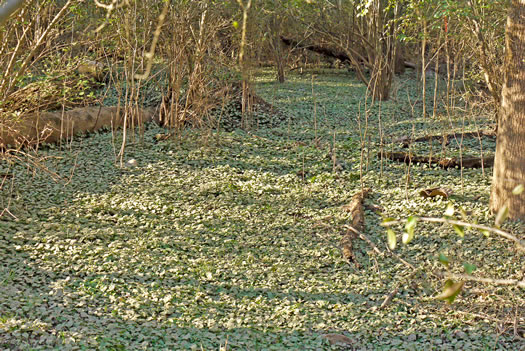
[
  {"x": 394, "y": 292},
  {"x": 520, "y": 244},
  {"x": 358, "y": 221},
  {"x": 407, "y": 140},
  {"x": 51, "y": 127},
  {"x": 445, "y": 162},
  {"x": 466, "y": 277},
  {"x": 374, "y": 247}
]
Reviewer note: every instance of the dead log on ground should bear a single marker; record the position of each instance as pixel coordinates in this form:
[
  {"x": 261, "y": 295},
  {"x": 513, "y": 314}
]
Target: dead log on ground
[
  {"x": 51, "y": 127},
  {"x": 355, "y": 207},
  {"x": 407, "y": 140},
  {"x": 340, "y": 55},
  {"x": 328, "y": 52},
  {"x": 445, "y": 162}
]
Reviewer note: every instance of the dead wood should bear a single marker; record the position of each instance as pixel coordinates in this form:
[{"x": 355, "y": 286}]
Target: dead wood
[
  {"x": 407, "y": 140},
  {"x": 51, "y": 127},
  {"x": 394, "y": 292},
  {"x": 433, "y": 192},
  {"x": 338, "y": 339},
  {"x": 409, "y": 64},
  {"x": 339, "y": 55},
  {"x": 325, "y": 51},
  {"x": 374, "y": 247},
  {"x": 355, "y": 207},
  {"x": 445, "y": 162}
]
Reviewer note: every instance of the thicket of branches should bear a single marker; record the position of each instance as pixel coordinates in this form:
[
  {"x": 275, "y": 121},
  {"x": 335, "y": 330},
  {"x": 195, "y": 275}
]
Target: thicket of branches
[{"x": 46, "y": 42}]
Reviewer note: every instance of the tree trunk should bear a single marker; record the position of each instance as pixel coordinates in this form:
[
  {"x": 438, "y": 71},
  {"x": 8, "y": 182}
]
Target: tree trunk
[
  {"x": 277, "y": 47},
  {"x": 509, "y": 167}
]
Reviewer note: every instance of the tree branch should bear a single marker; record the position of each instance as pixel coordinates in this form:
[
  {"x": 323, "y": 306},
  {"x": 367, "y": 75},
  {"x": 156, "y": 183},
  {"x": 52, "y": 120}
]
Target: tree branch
[
  {"x": 519, "y": 243},
  {"x": 466, "y": 277}
]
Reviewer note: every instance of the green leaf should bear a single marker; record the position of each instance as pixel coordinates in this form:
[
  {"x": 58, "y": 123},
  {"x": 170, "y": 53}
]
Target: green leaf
[
  {"x": 407, "y": 238},
  {"x": 449, "y": 212},
  {"x": 388, "y": 219},
  {"x": 460, "y": 230},
  {"x": 502, "y": 215},
  {"x": 463, "y": 213},
  {"x": 450, "y": 291},
  {"x": 444, "y": 259},
  {"x": 410, "y": 227},
  {"x": 391, "y": 237},
  {"x": 469, "y": 268},
  {"x": 518, "y": 189},
  {"x": 485, "y": 232}
]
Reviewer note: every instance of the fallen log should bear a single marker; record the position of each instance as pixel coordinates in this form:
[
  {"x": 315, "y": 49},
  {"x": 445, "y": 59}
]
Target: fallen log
[
  {"x": 340, "y": 55},
  {"x": 409, "y": 64},
  {"x": 444, "y": 162},
  {"x": 51, "y": 127},
  {"x": 355, "y": 207},
  {"x": 328, "y": 52},
  {"x": 407, "y": 140}
]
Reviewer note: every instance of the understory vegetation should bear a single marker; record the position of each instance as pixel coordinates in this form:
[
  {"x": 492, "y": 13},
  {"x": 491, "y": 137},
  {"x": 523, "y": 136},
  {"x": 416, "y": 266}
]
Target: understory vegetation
[
  {"x": 262, "y": 175},
  {"x": 230, "y": 239}
]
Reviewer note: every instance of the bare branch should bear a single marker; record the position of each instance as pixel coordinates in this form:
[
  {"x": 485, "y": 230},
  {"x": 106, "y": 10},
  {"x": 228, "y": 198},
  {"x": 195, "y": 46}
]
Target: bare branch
[
  {"x": 376, "y": 249},
  {"x": 41, "y": 39},
  {"x": 519, "y": 243},
  {"x": 115, "y": 4},
  {"x": 149, "y": 55},
  {"x": 466, "y": 277}
]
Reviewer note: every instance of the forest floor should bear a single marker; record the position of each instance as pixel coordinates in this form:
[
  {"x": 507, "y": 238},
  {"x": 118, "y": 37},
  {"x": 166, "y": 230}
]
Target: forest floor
[{"x": 232, "y": 241}]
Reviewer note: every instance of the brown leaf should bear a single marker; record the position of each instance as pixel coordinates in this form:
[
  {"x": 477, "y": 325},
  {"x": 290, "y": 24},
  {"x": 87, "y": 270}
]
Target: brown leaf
[{"x": 433, "y": 192}]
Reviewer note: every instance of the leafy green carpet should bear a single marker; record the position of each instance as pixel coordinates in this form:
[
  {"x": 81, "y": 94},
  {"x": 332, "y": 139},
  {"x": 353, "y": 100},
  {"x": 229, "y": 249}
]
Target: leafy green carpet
[{"x": 232, "y": 241}]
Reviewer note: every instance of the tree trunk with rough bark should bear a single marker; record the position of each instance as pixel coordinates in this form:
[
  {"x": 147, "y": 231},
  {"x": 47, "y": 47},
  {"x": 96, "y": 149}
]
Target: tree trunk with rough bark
[{"x": 509, "y": 167}]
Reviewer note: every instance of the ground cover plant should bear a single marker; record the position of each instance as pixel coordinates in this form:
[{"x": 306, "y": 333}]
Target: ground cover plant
[{"x": 230, "y": 240}]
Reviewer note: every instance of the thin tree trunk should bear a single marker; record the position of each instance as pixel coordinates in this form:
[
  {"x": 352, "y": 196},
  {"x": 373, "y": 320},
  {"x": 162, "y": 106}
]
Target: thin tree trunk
[
  {"x": 509, "y": 167},
  {"x": 277, "y": 49}
]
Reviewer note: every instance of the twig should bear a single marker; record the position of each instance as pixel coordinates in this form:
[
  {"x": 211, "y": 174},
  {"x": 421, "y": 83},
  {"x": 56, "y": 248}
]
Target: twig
[
  {"x": 149, "y": 55},
  {"x": 376, "y": 249},
  {"x": 519, "y": 243},
  {"x": 394, "y": 292},
  {"x": 483, "y": 316},
  {"x": 466, "y": 277},
  {"x": 333, "y": 245},
  {"x": 33, "y": 161}
]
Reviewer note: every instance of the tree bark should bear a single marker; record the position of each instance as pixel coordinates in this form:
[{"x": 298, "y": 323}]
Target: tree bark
[
  {"x": 277, "y": 47},
  {"x": 509, "y": 167}
]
